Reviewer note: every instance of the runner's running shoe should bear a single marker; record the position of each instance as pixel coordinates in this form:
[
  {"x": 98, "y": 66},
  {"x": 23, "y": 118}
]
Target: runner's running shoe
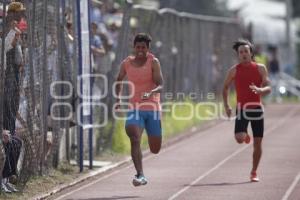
[
  {"x": 139, "y": 180},
  {"x": 254, "y": 177}
]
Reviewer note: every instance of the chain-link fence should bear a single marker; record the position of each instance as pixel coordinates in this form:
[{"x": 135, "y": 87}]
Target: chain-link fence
[
  {"x": 36, "y": 56},
  {"x": 194, "y": 52}
]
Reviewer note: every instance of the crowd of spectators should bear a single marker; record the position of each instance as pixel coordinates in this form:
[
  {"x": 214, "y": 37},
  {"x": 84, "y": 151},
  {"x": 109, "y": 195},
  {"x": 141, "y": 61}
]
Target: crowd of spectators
[
  {"x": 13, "y": 65},
  {"x": 105, "y": 22}
]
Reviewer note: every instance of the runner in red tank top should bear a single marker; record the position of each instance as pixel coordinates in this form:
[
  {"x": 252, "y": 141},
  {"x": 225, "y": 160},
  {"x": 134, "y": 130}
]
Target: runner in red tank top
[
  {"x": 144, "y": 72},
  {"x": 251, "y": 82}
]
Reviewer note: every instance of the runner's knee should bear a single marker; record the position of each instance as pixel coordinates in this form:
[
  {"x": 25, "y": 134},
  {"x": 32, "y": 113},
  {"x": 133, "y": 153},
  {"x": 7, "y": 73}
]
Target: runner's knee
[
  {"x": 257, "y": 147},
  {"x": 240, "y": 137},
  {"x": 134, "y": 135},
  {"x": 135, "y": 140},
  {"x": 257, "y": 142},
  {"x": 154, "y": 144},
  {"x": 239, "y": 140},
  {"x": 154, "y": 150}
]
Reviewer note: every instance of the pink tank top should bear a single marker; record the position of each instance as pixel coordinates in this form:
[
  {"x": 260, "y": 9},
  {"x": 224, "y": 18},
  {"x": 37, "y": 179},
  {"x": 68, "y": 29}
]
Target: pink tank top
[{"x": 142, "y": 81}]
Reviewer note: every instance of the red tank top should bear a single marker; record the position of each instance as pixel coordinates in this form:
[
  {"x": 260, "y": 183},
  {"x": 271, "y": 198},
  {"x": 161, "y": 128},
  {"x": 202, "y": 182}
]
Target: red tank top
[
  {"x": 246, "y": 74},
  {"x": 142, "y": 80}
]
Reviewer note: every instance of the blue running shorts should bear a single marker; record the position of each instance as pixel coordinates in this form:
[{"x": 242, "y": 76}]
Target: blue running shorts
[{"x": 148, "y": 119}]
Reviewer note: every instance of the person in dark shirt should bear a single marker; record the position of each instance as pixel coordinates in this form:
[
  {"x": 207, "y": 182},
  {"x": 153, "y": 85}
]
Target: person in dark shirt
[{"x": 274, "y": 67}]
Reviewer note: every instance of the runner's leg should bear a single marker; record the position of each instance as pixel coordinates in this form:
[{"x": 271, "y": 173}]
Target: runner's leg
[{"x": 134, "y": 133}]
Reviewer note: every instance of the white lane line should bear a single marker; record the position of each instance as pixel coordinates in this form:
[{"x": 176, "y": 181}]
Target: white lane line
[
  {"x": 291, "y": 113},
  {"x": 291, "y": 188},
  {"x": 167, "y": 149}
]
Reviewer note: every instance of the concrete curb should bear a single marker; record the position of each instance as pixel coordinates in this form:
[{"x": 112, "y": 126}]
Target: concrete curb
[{"x": 81, "y": 179}]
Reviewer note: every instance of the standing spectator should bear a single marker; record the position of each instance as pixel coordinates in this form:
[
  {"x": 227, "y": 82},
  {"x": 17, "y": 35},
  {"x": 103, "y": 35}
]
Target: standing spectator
[
  {"x": 70, "y": 38},
  {"x": 113, "y": 34},
  {"x": 95, "y": 11},
  {"x": 98, "y": 52},
  {"x": 96, "y": 46},
  {"x": 274, "y": 68},
  {"x": 14, "y": 62}
]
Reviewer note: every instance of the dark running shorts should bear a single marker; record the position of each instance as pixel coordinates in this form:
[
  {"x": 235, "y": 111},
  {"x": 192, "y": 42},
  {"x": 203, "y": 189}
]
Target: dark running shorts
[{"x": 255, "y": 116}]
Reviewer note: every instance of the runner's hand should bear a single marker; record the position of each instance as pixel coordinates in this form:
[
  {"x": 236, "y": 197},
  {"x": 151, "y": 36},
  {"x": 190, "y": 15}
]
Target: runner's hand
[
  {"x": 255, "y": 89},
  {"x": 146, "y": 95},
  {"x": 117, "y": 105},
  {"x": 228, "y": 111}
]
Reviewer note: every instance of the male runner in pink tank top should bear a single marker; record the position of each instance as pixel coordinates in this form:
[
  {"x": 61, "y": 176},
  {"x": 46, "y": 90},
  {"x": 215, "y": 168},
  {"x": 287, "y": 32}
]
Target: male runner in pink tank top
[
  {"x": 144, "y": 72},
  {"x": 251, "y": 82}
]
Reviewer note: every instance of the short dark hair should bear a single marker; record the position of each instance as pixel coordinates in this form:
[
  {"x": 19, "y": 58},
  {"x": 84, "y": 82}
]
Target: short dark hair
[
  {"x": 142, "y": 37},
  {"x": 242, "y": 42}
]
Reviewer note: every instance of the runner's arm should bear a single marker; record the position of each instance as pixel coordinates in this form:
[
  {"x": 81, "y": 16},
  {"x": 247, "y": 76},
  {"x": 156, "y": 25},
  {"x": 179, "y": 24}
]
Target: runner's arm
[
  {"x": 119, "y": 85},
  {"x": 228, "y": 80},
  {"x": 265, "y": 86},
  {"x": 157, "y": 76}
]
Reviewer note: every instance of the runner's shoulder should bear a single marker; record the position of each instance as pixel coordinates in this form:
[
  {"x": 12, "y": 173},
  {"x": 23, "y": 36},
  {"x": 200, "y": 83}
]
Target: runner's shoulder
[
  {"x": 261, "y": 67},
  {"x": 127, "y": 60},
  {"x": 154, "y": 59},
  {"x": 232, "y": 69}
]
